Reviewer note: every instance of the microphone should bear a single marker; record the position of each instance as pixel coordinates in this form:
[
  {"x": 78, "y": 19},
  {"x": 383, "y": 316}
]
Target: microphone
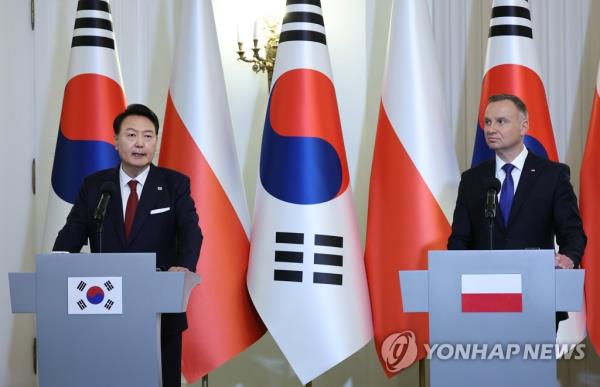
[
  {"x": 108, "y": 189},
  {"x": 493, "y": 187}
]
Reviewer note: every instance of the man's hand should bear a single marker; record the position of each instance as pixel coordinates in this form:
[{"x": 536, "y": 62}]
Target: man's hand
[
  {"x": 563, "y": 262},
  {"x": 178, "y": 268}
]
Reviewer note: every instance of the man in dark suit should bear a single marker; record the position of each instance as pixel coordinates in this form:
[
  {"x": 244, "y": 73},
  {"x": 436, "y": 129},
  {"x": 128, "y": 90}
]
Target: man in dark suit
[
  {"x": 536, "y": 201},
  {"x": 151, "y": 210}
]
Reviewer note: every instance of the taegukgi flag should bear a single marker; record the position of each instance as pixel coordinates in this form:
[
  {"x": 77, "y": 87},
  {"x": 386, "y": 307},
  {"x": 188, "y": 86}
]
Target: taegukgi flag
[
  {"x": 95, "y": 295},
  {"x": 93, "y": 97},
  {"x": 512, "y": 67},
  {"x": 306, "y": 274}
]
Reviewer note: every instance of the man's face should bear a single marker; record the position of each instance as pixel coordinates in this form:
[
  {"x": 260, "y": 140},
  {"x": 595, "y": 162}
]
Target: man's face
[
  {"x": 504, "y": 127},
  {"x": 136, "y": 144}
]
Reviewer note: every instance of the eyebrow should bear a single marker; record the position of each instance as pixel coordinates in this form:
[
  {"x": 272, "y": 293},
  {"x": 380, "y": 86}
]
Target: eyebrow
[{"x": 141, "y": 131}]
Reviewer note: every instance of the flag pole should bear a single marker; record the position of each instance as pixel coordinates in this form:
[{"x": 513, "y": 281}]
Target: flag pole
[
  {"x": 422, "y": 373},
  {"x": 309, "y": 384}
]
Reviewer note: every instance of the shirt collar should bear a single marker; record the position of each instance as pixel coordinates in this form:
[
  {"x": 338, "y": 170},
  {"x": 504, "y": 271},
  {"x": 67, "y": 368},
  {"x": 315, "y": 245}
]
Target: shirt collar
[
  {"x": 518, "y": 162},
  {"x": 125, "y": 178}
]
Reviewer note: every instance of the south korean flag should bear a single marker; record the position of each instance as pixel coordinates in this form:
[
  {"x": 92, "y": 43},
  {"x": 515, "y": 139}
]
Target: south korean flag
[{"x": 95, "y": 295}]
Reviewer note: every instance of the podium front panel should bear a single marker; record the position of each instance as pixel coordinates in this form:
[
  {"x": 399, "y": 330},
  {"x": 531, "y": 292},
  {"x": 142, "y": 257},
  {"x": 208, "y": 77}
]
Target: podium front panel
[
  {"x": 73, "y": 348},
  {"x": 450, "y": 324}
]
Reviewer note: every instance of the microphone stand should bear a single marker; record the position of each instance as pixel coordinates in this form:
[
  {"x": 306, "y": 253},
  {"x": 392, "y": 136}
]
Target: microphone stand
[
  {"x": 490, "y": 214},
  {"x": 99, "y": 230},
  {"x": 99, "y": 215},
  {"x": 100, "y": 211},
  {"x": 491, "y": 232}
]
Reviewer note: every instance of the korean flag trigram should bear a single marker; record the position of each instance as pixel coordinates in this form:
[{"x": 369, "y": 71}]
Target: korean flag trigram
[
  {"x": 81, "y": 304},
  {"x": 325, "y": 255}
]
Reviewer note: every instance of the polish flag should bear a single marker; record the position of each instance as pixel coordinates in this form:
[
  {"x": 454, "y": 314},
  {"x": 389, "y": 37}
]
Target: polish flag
[
  {"x": 491, "y": 293},
  {"x": 512, "y": 67},
  {"x": 590, "y": 213},
  {"x": 414, "y": 176},
  {"x": 198, "y": 141},
  {"x": 306, "y": 274},
  {"x": 92, "y": 99}
]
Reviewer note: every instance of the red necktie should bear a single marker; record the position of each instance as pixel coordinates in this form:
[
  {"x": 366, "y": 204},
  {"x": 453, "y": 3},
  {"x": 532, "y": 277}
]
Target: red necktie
[{"x": 132, "y": 203}]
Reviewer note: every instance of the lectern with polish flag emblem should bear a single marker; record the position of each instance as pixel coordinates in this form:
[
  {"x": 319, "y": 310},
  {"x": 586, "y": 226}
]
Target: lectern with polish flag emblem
[
  {"x": 493, "y": 313},
  {"x": 98, "y": 316}
]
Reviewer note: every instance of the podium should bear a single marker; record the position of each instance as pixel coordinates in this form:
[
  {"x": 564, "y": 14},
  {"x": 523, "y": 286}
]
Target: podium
[
  {"x": 98, "y": 316},
  {"x": 492, "y": 315}
]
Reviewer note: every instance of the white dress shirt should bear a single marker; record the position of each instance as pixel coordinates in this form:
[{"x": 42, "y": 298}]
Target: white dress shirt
[{"x": 518, "y": 162}]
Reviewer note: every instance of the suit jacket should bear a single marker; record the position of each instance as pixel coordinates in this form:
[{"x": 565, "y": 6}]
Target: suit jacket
[
  {"x": 174, "y": 235},
  {"x": 544, "y": 206}
]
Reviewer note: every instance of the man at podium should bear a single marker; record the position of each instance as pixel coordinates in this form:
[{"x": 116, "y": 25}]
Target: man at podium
[
  {"x": 138, "y": 207},
  {"x": 535, "y": 198}
]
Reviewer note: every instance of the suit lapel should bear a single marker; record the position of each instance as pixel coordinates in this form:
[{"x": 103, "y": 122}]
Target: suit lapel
[
  {"x": 116, "y": 209},
  {"x": 529, "y": 174},
  {"x": 150, "y": 195}
]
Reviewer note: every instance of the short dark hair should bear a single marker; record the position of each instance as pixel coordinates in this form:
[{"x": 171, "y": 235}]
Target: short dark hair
[
  {"x": 510, "y": 97},
  {"x": 135, "y": 109}
]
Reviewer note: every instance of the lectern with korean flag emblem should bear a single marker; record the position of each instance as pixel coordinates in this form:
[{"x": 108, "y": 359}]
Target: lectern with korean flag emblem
[
  {"x": 492, "y": 315},
  {"x": 98, "y": 316}
]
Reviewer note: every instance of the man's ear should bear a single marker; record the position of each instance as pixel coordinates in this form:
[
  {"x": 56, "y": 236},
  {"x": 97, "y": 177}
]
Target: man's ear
[{"x": 524, "y": 126}]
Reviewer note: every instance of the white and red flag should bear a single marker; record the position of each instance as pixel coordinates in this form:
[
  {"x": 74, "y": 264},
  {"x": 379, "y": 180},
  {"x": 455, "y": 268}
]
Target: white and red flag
[
  {"x": 414, "y": 177},
  {"x": 306, "y": 274},
  {"x": 590, "y": 214},
  {"x": 491, "y": 293},
  {"x": 92, "y": 99},
  {"x": 198, "y": 141}
]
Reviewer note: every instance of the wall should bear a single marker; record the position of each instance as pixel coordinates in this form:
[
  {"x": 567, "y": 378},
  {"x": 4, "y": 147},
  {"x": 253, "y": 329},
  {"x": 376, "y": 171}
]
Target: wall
[
  {"x": 17, "y": 211},
  {"x": 34, "y": 74}
]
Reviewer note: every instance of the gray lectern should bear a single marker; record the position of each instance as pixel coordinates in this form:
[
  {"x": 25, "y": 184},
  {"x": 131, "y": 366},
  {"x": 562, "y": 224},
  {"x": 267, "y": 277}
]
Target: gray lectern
[
  {"x": 492, "y": 315},
  {"x": 98, "y": 316}
]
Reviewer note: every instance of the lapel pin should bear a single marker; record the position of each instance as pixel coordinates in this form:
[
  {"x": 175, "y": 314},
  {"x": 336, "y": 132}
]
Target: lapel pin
[
  {"x": 159, "y": 188},
  {"x": 532, "y": 169}
]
